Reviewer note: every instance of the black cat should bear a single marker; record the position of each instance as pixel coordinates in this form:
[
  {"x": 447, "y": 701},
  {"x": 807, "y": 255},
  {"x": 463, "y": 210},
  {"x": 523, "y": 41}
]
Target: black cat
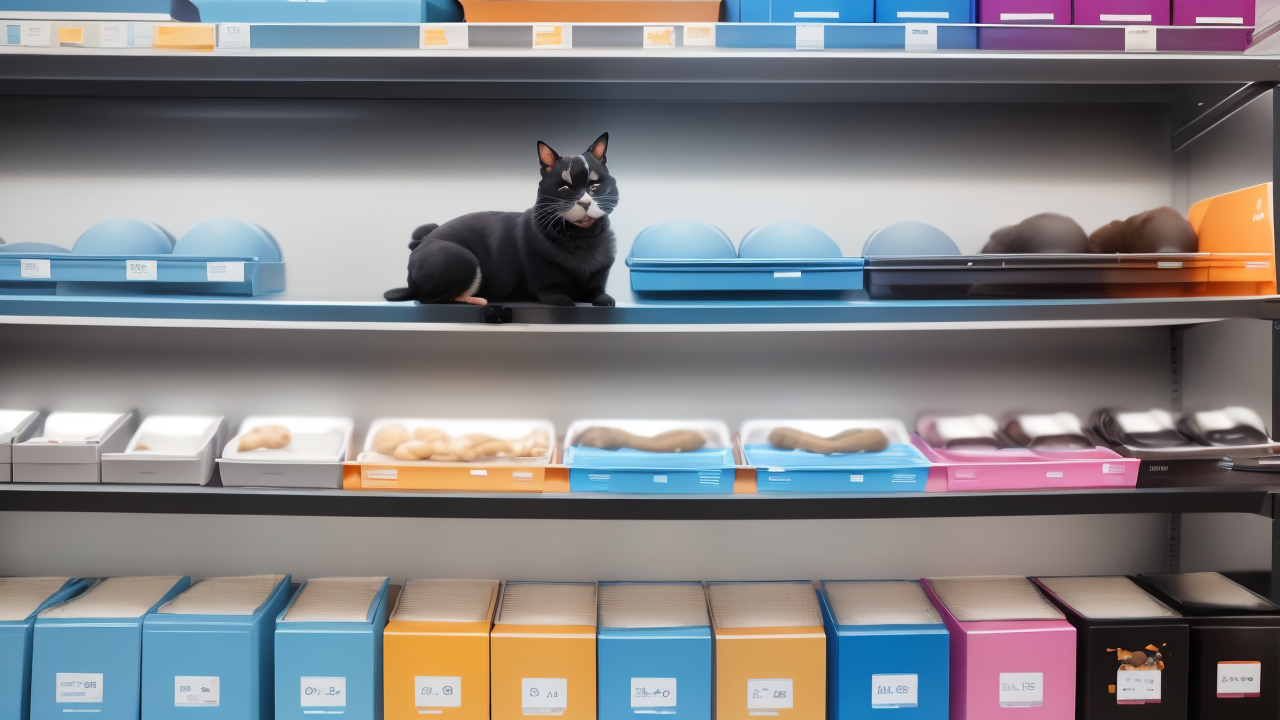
[{"x": 559, "y": 252}]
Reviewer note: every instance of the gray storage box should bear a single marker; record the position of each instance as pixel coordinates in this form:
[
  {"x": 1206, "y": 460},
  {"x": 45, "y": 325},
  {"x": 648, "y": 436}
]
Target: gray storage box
[
  {"x": 169, "y": 450},
  {"x": 69, "y": 448},
  {"x": 15, "y": 427}
]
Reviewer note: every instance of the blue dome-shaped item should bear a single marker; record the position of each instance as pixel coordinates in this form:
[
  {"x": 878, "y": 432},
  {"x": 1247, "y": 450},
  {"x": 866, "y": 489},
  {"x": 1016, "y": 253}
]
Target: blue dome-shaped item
[
  {"x": 788, "y": 239},
  {"x": 682, "y": 240},
  {"x": 34, "y": 248},
  {"x": 124, "y": 236},
  {"x": 909, "y": 238},
  {"x": 228, "y": 237}
]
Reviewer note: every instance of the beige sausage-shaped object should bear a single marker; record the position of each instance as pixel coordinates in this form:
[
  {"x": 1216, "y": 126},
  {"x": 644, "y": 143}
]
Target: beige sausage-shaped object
[
  {"x": 672, "y": 441},
  {"x": 413, "y": 450},
  {"x": 848, "y": 441},
  {"x": 389, "y": 438},
  {"x": 265, "y": 437}
]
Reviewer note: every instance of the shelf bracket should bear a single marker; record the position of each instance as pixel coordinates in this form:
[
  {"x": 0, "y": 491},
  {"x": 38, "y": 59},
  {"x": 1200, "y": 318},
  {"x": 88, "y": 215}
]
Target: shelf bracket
[
  {"x": 1210, "y": 118},
  {"x": 1173, "y": 561}
]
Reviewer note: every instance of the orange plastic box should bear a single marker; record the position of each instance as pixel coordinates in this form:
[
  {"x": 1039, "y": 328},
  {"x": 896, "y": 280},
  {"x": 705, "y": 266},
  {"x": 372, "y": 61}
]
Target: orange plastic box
[
  {"x": 183, "y": 37},
  {"x": 436, "y": 650},
  {"x": 1237, "y": 228},
  {"x": 544, "y": 652},
  {"x": 591, "y": 11},
  {"x": 770, "y": 651}
]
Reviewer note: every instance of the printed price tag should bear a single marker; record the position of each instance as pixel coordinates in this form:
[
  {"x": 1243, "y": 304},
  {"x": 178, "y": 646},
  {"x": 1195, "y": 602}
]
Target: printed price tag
[
  {"x": 1112, "y": 469},
  {"x": 224, "y": 272},
  {"x": 811, "y": 37},
  {"x": 552, "y": 37},
  {"x": 1139, "y": 38},
  {"x": 233, "y": 37},
  {"x": 659, "y": 37},
  {"x": 1137, "y": 687},
  {"x": 770, "y": 694},
  {"x": 445, "y": 36},
  {"x": 1239, "y": 678},
  {"x": 195, "y": 691},
  {"x": 653, "y": 692},
  {"x": 700, "y": 35},
  {"x": 78, "y": 687},
  {"x": 34, "y": 268},
  {"x": 1021, "y": 689},
  {"x": 37, "y": 34},
  {"x": 113, "y": 35},
  {"x": 143, "y": 34},
  {"x": 895, "y": 691},
  {"x": 324, "y": 692},
  {"x": 437, "y": 691},
  {"x": 140, "y": 269},
  {"x": 921, "y": 37},
  {"x": 544, "y": 696}
]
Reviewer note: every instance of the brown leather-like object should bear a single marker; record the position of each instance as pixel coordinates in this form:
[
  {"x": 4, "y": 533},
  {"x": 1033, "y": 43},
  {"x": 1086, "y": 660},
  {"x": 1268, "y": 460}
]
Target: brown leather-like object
[
  {"x": 1163, "y": 230},
  {"x": 853, "y": 440},
  {"x": 672, "y": 441},
  {"x": 1043, "y": 233}
]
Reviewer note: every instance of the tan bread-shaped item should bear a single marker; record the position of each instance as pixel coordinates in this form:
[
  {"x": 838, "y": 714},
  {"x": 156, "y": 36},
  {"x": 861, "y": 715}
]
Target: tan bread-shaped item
[
  {"x": 672, "y": 441},
  {"x": 389, "y": 438},
  {"x": 853, "y": 440},
  {"x": 265, "y": 437},
  {"x": 429, "y": 435},
  {"x": 432, "y": 444},
  {"x": 1162, "y": 230}
]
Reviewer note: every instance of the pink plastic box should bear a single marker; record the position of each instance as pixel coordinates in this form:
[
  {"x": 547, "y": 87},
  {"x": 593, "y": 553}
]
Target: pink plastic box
[
  {"x": 1122, "y": 12},
  {"x": 1023, "y": 469},
  {"x": 1239, "y": 13},
  {"x": 1024, "y": 12}
]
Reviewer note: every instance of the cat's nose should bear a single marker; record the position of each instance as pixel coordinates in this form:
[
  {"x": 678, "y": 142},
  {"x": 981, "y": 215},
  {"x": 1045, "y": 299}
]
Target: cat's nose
[{"x": 584, "y": 201}]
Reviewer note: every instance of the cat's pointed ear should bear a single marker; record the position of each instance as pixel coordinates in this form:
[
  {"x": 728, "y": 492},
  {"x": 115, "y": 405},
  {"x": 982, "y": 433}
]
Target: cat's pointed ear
[
  {"x": 599, "y": 148},
  {"x": 547, "y": 157}
]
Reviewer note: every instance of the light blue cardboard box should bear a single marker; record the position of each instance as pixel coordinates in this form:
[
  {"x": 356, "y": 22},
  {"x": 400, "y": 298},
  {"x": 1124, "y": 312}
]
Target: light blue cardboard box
[{"x": 15, "y": 653}]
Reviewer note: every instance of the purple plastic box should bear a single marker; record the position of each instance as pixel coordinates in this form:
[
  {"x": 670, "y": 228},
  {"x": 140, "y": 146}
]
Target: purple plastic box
[
  {"x": 1213, "y": 12},
  {"x": 1024, "y": 12},
  {"x": 1122, "y": 12}
]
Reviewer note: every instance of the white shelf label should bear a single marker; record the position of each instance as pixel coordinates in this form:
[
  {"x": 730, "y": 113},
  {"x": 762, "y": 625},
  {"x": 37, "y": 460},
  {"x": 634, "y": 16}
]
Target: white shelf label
[
  {"x": 787, "y": 274},
  {"x": 811, "y": 37},
  {"x": 78, "y": 687},
  {"x": 1112, "y": 469},
  {"x": 700, "y": 35},
  {"x": 653, "y": 692},
  {"x": 1021, "y": 689},
  {"x": 768, "y": 694},
  {"x": 921, "y": 37},
  {"x": 1137, "y": 687},
  {"x": 190, "y": 691},
  {"x": 544, "y": 696},
  {"x": 432, "y": 691},
  {"x": 444, "y": 36},
  {"x": 113, "y": 35},
  {"x": 659, "y": 37},
  {"x": 233, "y": 37},
  {"x": 224, "y": 272},
  {"x": 33, "y": 268},
  {"x": 1237, "y": 679},
  {"x": 324, "y": 692},
  {"x": 140, "y": 269},
  {"x": 895, "y": 691},
  {"x": 552, "y": 37},
  {"x": 143, "y": 34},
  {"x": 37, "y": 34},
  {"x": 1139, "y": 38}
]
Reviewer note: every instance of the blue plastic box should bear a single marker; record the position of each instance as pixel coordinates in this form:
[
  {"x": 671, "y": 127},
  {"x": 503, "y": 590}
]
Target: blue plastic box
[
  {"x": 877, "y": 670},
  {"x": 329, "y": 11},
  {"x": 92, "y": 666},
  {"x": 926, "y": 11},
  {"x": 806, "y": 11},
  {"x": 15, "y": 653},
  {"x": 210, "y": 667},
  {"x": 657, "y": 669},
  {"x": 177, "y": 9},
  {"x": 331, "y": 668},
  {"x": 900, "y": 467},
  {"x": 706, "y": 470}
]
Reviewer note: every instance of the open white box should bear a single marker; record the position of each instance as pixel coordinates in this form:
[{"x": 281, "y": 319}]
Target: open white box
[
  {"x": 756, "y": 432},
  {"x": 716, "y": 432},
  {"x": 170, "y": 450},
  {"x": 313, "y": 459},
  {"x": 453, "y": 427},
  {"x": 69, "y": 447},
  {"x": 15, "y": 427}
]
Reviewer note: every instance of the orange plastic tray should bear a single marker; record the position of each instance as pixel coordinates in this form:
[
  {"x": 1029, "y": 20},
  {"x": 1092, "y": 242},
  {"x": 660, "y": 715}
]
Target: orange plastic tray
[{"x": 591, "y": 11}]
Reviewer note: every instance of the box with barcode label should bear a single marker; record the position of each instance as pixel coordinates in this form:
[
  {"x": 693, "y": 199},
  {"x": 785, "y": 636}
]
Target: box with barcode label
[
  {"x": 328, "y": 649},
  {"x": 1134, "y": 651},
  {"x": 87, "y": 652},
  {"x": 1235, "y": 644},
  {"x": 544, "y": 651},
  {"x": 654, "y": 650},
  {"x": 1012, "y": 651},
  {"x": 206, "y": 654},
  {"x": 770, "y": 650},
  {"x": 21, "y": 599},
  {"x": 887, "y": 649},
  {"x": 436, "y": 650},
  {"x": 649, "y": 456}
]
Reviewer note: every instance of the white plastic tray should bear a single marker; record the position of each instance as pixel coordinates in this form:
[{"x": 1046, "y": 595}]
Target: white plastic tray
[
  {"x": 69, "y": 447},
  {"x": 179, "y": 450},
  {"x": 314, "y": 457}
]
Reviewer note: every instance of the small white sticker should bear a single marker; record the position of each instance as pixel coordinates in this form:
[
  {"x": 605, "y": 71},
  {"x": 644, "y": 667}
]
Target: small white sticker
[
  {"x": 140, "y": 269},
  {"x": 1168, "y": 265},
  {"x": 653, "y": 692},
  {"x": 522, "y": 476},
  {"x": 700, "y": 35},
  {"x": 811, "y": 37},
  {"x": 191, "y": 691},
  {"x": 552, "y": 37},
  {"x": 437, "y": 692},
  {"x": 1053, "y": 474},
  {"x": 382, "y": 474},
  {"x": 855, "y": 478},
  {"x": 769, "y": 694},
  {"x": 34, "y": 268},
  {"x": 78, "y": 687},
  {"x": 1256, "y": 264},
  {"x": 1239, "y": 679},
  {"x": 224, "y": 272},
  {"x": 143, "y": 34},
  {"x": 1021, "y": 689},
  {"x": 233, "y": 37},
  {"x": 1112, "y": 469},
  {"x": 659, "y": 37},
  {"x": 1139, "y": 38},
  {"x": 1137, "y": 687},
  {"x": 479, "y": 473},
  {"x": 37, "y": 34},
  {"x": 1105, "y": 17},
  {"x": 544, "y": 696},
  {"x": 895, "y": 691},
  {"x": 324, "y": 692},
  {"x": 662, "y": 479},
  {"x": 113, "y": 35},
  {"x": 444, "y": 36},
  {"x": 1219, "y": 21},
  {"x": 791, "y": 274},
  {"x": 921, "y": 37}
]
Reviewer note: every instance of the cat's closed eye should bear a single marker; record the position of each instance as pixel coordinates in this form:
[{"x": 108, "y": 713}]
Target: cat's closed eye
[
  {"x": 595, "y": 186},
  {"x": 562, "y": 188}
]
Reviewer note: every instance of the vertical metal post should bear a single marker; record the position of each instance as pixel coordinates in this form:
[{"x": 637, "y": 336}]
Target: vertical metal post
[
  {"x": 1175, "y": 359},
  {"x": 1173, "y": 563}
]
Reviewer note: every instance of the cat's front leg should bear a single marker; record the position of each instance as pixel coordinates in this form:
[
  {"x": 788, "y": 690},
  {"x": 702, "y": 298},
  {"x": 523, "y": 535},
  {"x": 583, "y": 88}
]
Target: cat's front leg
[
  {"x": 554, "y": 296},
  {"x": 603, "y": 300}
]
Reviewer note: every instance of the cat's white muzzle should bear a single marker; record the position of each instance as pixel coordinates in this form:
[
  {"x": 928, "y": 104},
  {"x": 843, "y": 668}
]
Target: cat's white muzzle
[{"x": 584, "y": 212}]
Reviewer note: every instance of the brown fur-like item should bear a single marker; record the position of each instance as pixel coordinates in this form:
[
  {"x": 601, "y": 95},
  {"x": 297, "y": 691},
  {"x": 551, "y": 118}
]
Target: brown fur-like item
[
  {"x": 672, "y": 441},
  {"x": 853, "y": 440},
  {"x": 1043, "y": 233},
  {"x": 1163, "y": 230}
]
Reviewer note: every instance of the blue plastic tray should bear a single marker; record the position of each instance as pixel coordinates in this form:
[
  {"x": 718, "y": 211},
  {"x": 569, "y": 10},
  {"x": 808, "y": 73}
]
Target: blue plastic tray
[
  {"x": 635, "y": 471},
  {"x": 746, "y": 275},
  {"x": 899, "y": 468},
  {"x": 105, "y": 274}
]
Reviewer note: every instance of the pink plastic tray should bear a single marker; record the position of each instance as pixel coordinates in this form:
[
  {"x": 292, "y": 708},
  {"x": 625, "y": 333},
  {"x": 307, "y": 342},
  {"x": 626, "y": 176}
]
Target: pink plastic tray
[
  {"x": 1023, "y": 469},
  {"x": 1025, "y": 12},
  {"x": 1239, "y": 13}
]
